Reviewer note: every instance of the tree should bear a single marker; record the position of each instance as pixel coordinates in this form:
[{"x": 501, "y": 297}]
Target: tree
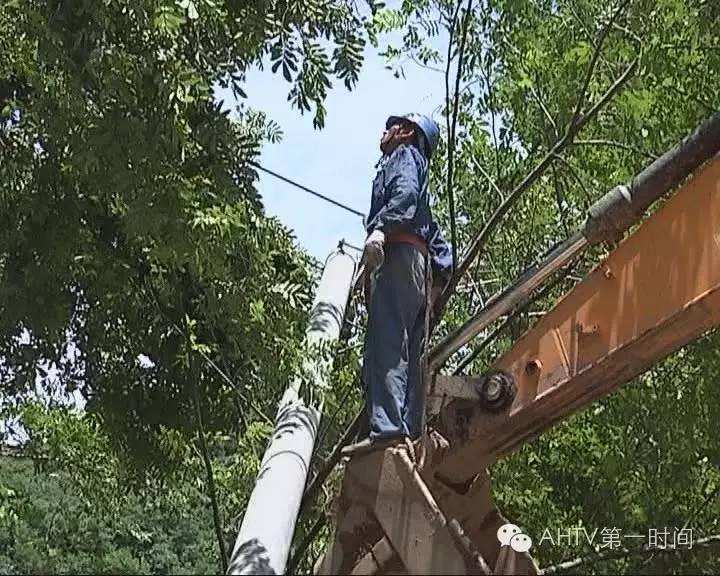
[
  {"x": 69, "y": 505},
  {"x": 132, "y": 237},
  {"x": 136, "y": 262}
]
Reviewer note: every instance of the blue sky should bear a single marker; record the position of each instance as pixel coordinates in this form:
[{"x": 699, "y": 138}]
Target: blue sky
[{"x": 339, "y": 160}]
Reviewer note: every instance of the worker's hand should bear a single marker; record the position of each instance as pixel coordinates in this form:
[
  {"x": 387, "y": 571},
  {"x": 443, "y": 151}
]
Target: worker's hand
[{"x": 374, "y": 252}]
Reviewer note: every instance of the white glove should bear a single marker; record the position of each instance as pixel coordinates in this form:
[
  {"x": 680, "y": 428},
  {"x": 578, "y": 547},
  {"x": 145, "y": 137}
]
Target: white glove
[{"x": 374, "y": 252}]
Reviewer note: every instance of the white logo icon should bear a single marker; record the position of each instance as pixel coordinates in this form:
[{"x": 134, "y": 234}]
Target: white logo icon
[{"x": 511, "y": 535}]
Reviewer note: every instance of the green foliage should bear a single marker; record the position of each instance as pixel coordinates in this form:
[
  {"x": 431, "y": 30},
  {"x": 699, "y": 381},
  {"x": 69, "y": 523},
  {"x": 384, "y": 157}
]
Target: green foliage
[
  {"x": 68, "y": 504},
  {"x": 138, "y": 268},
  {"x": 130, "y": 224},
  {"x": 49, "y": 527}
]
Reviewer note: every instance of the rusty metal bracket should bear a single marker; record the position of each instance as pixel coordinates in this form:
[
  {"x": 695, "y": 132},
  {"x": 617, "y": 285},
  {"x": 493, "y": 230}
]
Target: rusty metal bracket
[
  {"x": 446, "y": 388},
  {"x": 494, "y": 392}
]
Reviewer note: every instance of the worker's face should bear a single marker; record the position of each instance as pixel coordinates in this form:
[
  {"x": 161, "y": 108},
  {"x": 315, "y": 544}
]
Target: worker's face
[{"x": 395, "y": 135}]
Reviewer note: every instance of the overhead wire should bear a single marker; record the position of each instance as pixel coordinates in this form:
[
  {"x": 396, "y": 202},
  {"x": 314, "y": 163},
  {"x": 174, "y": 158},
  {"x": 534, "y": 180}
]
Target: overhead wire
[{"x": 306, "y": 189}]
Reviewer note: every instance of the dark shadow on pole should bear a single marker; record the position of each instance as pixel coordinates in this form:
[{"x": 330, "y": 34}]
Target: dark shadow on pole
[
  {"x": 251, "y": 558},
  {"x": 324, "y": 315}
]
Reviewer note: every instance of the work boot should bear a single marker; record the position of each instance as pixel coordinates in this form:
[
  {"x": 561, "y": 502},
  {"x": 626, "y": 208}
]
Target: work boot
[{"x": 370, "y": 445}]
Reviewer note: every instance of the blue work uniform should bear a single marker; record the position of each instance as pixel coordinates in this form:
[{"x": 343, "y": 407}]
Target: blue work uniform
[{"x": 397, "y": 311}]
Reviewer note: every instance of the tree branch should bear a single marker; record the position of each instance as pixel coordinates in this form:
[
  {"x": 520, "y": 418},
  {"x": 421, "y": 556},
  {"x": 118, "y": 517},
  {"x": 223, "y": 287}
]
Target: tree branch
[
  {"x": 614, "y": 89},
  {"x": 470, "y": 358},
  {"x": 491, "y": 99},
  {"x": 330, "y": 462},
  {"x": 497, "y": 216},
  {"x": 559, "y": 200},
  {"x": 235, "y": 387},
  {"x": 556, "y": 184},
  {"x": 467, "y": 360},
  {"x": 629, "y": 32},
  {"x": 487, "y": 176},
  {"x": 470, "y": 85},
  {"x": 451, "y": 127},
  {"x": 575, "y": 176},
  {"x": 340, "y": 405},
  {"x": 451, "y": 37},
  {"x": 238, "y": 400},
  {"x": 479, "y": 292},
  {"x": 582, "y": 24},
  {"x": 426, "y": 66},
  {"x": 302, "y": 548},
  {"x": 225, "y": 377},
  {"x": 545, "y": 110},
  {"x": 211, "y": 479},
  {"x": 615, "y": 144},
  {"x": 624, "y": 553},
  {"x": 593, "y": 62},
  {"x": 709, "y": 498}
]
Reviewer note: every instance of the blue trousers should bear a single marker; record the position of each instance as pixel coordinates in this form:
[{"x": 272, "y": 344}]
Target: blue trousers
[{"x": 394, "y": 341}]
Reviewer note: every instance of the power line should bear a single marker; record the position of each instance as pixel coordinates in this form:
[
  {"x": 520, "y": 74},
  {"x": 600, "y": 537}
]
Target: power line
[{"x": 308, "y": 190}]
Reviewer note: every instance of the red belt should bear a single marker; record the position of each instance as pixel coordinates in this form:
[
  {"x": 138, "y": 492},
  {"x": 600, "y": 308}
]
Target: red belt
[{"x": 408, "y": 238}]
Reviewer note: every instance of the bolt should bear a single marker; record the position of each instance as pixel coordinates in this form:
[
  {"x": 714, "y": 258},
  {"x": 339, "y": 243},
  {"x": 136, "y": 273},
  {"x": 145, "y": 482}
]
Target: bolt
[
  {"x": 497, "y": 391},
  {"x": 493, "y": 389},
  {"x": 533, "y": 367},
  {"x": 585, "y": 330}
]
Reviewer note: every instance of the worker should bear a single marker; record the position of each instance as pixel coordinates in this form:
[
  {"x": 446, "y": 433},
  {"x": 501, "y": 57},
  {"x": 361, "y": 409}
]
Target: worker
[{"x": 406, "y": 259}]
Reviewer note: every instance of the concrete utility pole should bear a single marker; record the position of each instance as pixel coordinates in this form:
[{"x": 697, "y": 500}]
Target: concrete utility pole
[{"x": 263, "y": 544}]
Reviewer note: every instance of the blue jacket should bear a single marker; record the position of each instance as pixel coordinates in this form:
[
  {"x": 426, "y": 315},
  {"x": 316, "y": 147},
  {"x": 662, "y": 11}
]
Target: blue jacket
[{"x": 401, "y": 201}]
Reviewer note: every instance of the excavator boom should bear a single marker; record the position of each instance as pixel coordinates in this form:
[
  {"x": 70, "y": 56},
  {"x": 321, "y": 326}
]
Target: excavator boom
[{"x": 659, "y": 290}]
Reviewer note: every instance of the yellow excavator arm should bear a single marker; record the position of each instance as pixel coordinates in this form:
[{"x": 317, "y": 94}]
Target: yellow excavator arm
[{"x": 657, "y": 291}]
